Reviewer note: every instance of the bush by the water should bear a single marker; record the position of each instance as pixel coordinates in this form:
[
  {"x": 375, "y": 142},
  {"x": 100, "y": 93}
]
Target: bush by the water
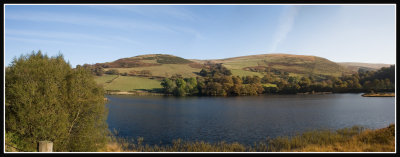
[{"x": 46, "y": 99}]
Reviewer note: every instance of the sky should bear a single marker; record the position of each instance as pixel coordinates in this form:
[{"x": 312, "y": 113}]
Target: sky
[{"x": 88, "y": 34}]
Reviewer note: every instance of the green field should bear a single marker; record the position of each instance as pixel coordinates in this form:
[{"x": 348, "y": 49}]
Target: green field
[
  {"x": 101, "y": 80},
  {"x": 164, "y": 70},
  {"x": 239, "y": 72},
  {"x": 239, "y": 64},
  {"x": 269, "y": 85},
  {"x": 127, "y": 83}
]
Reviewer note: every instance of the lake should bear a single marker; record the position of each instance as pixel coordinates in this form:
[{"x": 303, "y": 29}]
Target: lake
[{"x": 246, "y": 119}]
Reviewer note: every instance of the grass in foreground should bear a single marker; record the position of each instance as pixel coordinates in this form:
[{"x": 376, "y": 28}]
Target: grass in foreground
[{"x": 355, "y": 139}]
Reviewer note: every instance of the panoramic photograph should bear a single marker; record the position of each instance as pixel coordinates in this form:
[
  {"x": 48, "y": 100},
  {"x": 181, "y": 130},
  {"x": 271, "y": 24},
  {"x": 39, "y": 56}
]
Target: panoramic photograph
[{"x": 134, "y": 78}]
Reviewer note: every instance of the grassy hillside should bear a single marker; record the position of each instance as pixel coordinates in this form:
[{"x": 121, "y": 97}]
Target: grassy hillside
[
  {"x": 105, "y": 79},
  {"x": 161, "y": 66},
  {"x": 127, "y": 83},
  {"x": 240, "y": 72},
  {"x": 294, "y": 64},
  {"x": 354, "y": 66},
  {"x": 145, "y": 61},
  {"x": 164, "y": 70},
  {"x": 168, "y": 65}
]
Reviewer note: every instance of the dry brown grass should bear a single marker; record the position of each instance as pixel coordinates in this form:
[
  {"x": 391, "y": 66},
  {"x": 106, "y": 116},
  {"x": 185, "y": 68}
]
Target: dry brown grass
[
  {"x": 112, "y": 147},
  {"x": 378, "y": 95},
  {"x": 272, "y": 56},
  {"x": 355, "y": 139},
  {"x": 381, "y": 140}
]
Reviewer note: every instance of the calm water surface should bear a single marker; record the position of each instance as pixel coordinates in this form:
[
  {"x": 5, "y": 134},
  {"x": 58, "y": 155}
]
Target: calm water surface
[{"x": 248, "y": 119}]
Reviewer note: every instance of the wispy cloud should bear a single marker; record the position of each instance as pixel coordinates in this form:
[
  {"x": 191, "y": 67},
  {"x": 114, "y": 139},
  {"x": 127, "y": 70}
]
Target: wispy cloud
[
  {"x": 125, "y": 24},
  {"x": 152, "y": 11},
  {"x": 285, "y": 25},
  {"x": 40, "y": 41},
  {"x": 121, "y": 23},
  {"x": 53, "y": 35},
  {"x": 65, "y": 36},
  {"x": 195, "y": 33},
  {"x": 125, "y": 40}
]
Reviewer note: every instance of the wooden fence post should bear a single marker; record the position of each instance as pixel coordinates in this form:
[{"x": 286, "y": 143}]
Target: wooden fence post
[{"x": 45, "y": 146}]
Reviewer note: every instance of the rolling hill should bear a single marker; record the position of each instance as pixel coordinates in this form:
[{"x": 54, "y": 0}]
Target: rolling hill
[
  {"x": 160, "y": 66},
  {"x": 293, "y": 64}
]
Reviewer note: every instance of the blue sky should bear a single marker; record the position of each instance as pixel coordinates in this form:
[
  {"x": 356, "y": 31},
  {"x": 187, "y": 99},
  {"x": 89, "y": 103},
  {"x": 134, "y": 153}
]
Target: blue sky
[{"x": 104, "y": 33}]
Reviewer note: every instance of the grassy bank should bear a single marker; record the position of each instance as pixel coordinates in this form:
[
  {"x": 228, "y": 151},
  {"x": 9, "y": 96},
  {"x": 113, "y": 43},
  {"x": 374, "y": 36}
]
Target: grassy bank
[{"x": 355, "y": 139}]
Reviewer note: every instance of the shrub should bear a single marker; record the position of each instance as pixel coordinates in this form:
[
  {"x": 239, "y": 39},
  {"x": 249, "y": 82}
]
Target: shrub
[{"x": 112, "y": 72}]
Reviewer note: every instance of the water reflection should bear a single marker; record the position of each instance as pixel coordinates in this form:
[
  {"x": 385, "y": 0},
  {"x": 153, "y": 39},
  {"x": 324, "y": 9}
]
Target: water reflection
[{"x": 243, "y": 119}]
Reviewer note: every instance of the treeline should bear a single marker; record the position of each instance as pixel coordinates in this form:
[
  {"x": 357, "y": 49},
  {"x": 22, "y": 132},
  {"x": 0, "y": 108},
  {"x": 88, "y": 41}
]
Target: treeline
[
  {"x": 210, "y": 86},
  {"x": 217, "y": 80},
  {"x": 378, "y": 81},
  {"x": 381, "y": 80},
  {"x": 95, "y": 69}
]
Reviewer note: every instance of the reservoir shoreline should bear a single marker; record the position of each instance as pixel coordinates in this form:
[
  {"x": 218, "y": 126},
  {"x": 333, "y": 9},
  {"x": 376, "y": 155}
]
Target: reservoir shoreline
[{"x": 145, "y": 93}]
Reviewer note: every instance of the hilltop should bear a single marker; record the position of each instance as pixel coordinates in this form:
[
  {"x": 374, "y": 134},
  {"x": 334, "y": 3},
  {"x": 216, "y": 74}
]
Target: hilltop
[
  {"x": 145, "y": 61},
  {"x": 293, "y": 64}
]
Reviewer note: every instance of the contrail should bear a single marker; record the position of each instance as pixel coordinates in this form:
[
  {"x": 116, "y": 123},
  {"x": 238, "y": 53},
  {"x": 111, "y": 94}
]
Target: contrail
[{"x": 286, "y": 22}]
